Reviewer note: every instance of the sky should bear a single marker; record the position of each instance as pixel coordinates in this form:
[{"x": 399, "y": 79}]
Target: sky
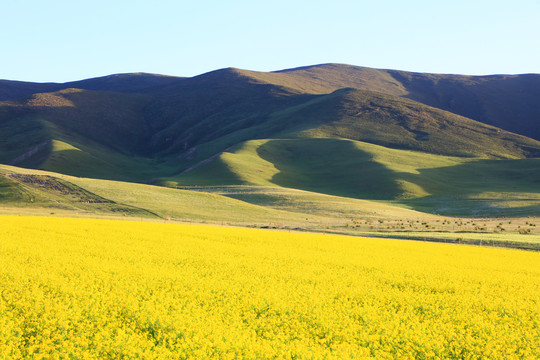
[{"x": 66, "y": 40}]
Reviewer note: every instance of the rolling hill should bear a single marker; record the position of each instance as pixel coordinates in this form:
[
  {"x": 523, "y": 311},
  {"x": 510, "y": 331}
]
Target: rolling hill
[
  {"x": 24, "y": 191},
  {"x": 434, "y": 183},
  {"x": 343, "y": 130}
]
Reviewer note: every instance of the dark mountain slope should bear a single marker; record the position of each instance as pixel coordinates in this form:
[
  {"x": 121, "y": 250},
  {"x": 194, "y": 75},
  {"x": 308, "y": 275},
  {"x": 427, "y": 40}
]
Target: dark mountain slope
[
  {"x": 114, "y": 119},
  {"x": 80, "y": 132},
  {"x": 405, "y": 124},
  {"x": 510, "y": 102},
  {"x": 13, "y": 90},
  {"x": 506, "y": 101},
  {"x": 213, "y": 105}
]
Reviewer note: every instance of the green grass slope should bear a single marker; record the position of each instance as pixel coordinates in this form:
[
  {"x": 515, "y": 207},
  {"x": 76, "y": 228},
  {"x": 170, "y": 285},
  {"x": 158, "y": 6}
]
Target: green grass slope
[
  {"x": 94, "y": 160},
  {"x": 25, "y": 190},
  {"x": 32, "y": 191},
  {"x": 348, "y": 168},
  {"x": 48, "y": 193}
]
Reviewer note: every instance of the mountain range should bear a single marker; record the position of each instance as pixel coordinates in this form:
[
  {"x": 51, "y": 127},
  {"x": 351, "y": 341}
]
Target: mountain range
[{"x": 336, "y": 129}]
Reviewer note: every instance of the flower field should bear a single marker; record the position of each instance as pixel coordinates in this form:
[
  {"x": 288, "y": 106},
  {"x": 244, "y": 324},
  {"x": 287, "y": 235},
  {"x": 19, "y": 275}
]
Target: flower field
[{"x": 94, "y": 289}]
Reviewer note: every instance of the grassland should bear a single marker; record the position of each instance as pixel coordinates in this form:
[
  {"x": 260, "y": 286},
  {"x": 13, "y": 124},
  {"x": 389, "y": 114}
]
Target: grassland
[
  {"x": 447, "y": 185},
  {"x": 80, "y": 288},
  {"x": 33, "y": 192}
]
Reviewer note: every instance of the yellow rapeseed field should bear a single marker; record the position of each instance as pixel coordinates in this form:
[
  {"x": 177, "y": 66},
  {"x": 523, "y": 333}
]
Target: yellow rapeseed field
[{"x": 95, "y": 289}]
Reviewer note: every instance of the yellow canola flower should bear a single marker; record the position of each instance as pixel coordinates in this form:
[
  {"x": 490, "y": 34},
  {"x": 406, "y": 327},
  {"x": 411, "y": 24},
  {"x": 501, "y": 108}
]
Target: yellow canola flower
[{"x": 98, "y": 289}]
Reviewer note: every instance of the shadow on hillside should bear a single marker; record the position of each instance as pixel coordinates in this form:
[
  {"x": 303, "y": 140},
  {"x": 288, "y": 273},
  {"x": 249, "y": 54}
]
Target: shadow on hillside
[
  {"x": 481, "y": 176},
  {"x": 329, "y": 166},
  {"x": 33, "y": 156},
  {"x": 480, "y": 188},
  {"x": 76, "y": 162},
  {"x": 209, "y": 172},
  {"x": 337, "y": 167},
  {"x": 484, "y": 207}
]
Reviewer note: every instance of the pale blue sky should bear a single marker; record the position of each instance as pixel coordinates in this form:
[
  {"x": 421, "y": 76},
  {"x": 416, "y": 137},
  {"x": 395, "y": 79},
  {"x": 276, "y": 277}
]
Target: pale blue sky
[{"x": 63, "y": 40}]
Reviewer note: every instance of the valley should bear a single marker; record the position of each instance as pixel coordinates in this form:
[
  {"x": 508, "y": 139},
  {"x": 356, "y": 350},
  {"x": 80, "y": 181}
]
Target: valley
[{"x": 332, "y": 147}]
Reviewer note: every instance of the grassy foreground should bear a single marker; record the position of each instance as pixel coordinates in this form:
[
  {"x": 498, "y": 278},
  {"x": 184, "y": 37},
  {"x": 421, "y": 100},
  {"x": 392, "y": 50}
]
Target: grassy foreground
[
  {"x": 29, "y": 192},
  {"x": 80, "y": 288}
]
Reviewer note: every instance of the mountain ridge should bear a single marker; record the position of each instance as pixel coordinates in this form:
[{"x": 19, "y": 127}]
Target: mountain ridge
[{"x": 492, "y": 99}]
